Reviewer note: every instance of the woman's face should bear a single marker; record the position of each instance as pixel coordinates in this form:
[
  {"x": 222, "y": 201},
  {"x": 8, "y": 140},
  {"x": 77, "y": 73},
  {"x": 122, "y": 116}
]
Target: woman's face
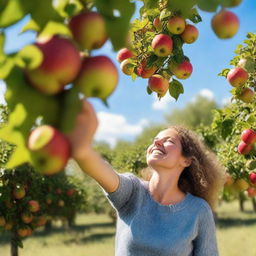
[{"x": 165, "y": 151}]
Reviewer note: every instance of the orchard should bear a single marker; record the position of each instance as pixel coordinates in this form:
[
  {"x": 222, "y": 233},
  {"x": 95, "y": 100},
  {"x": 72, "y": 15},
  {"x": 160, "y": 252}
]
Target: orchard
[{"x": 46, "y": 80}]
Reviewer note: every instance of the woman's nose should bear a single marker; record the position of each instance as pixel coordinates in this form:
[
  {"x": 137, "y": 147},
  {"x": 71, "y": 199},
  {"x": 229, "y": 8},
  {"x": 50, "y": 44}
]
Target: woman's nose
[{"x": 158, "y": 142}]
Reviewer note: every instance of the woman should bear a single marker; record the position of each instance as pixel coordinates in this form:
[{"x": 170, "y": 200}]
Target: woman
[{"x": 169, "y": 215}]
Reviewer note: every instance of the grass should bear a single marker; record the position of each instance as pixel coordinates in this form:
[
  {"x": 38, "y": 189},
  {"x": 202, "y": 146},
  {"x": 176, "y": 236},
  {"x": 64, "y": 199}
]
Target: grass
[{"x": 94, "y": 235}]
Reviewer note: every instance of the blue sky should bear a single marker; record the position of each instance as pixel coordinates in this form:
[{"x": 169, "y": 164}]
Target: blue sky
[{"x": 131, "y": 108}]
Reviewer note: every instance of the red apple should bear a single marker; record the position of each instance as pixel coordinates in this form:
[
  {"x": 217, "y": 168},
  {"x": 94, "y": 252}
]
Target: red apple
[
  {"x": 182, "y": 70},
  {"x": 22, "y": 232},
  {"x": 27, "y": 217},
  {"x": 60, "y": 65},
  {"x": 124, "y": 54},
  {"x": 247, "y": 95},
  {"x": 190, "y": 34},
  {"x": 127, "y": 67},
  {"x": 162, "y": 45},
  {"x": 176, "y": 25},
  {"x": 2, "y": 221},
  {"x": 145, "y": 71},
  {"x": 244, "y": 148},
  {"x": 251, "y": 192},
  {"x": 19, "y": 192},
  {"x": 89, "y": 30},
  {"x": 98, "y": 77},
  {"x": 237, "y": 77},
  {"x": 158, "y": 84},
  {"x": 40, "y": 221},
  {"x": 252, "y": 177},
  {"x": 33, "y": 206},
  {"x": 70, "y": 192},
  {"x": 248, "y": 136},
  {"x": 50, "y": 149},
  {"x": 157, "y": 24},
  {"x": 225, "y": 24}
]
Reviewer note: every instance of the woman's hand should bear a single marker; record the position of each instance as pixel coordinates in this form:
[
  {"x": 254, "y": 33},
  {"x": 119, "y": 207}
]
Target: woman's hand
[{"x": 85, "y": 126}]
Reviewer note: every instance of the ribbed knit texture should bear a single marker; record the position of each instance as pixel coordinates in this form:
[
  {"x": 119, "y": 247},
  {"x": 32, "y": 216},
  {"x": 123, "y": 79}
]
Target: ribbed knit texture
[{"x": 148, "y": 228}]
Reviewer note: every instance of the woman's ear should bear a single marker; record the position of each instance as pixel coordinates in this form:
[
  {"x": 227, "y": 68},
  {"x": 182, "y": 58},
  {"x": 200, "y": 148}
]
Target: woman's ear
[{"x": 188, "y": 161}]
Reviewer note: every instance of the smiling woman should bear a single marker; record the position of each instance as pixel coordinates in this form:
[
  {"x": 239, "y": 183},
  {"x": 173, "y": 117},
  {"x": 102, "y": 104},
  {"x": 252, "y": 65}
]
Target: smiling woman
[{"x": 171, "y": 214}]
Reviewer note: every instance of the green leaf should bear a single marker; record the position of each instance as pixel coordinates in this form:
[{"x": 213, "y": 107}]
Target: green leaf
[
  {"x": 175, "y": 89},
  {"x": 6, "y": 66},
  {"x": 208, "y": 6},
  {"x": 29, "y": 57},
  {"x": 30, "y": 25},
  {"x": 149, "y": 91},
  {"x": 2, "y": 41},
  {"x": 12, "y": 12},
  {"x": 182, "y": 7},
  {"x": 53, "y": 28},
  {"x": 117, "y": 15},
  {"x": 227, "y": 127},
  {"x": 224, "y": 72}
]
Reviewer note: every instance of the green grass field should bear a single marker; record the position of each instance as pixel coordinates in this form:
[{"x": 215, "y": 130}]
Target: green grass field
[{"x": 94, "y": 235}]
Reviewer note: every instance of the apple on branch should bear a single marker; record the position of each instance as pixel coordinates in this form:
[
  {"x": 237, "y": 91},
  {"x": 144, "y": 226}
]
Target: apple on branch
[
  {"x": 181, "y": 70},
  {"x": 124, "y": 54},
  {"x": 60, "y": 65},
  {"x": 50, "y": 149},
  {"x": 162, "y": 45},
  {"x": 176, "y": 25},
  {"x": 247, "y": 95},
  {"x": 190, "y": 34},
  {"x": 158, "y": 84},
  {"x": 146, "y": 71},
  {"x": 89, "y": 30},
  {"x": 237, "y": 77},
  {"x": 225, "y": 24},
  {"x": 248, "y": 136},
  {"x": 98, "y": 77}
]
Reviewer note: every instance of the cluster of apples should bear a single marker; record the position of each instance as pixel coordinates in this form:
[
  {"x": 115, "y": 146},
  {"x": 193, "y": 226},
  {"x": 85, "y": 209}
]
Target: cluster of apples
[
  {"x": 65, "y": 63},
  {"x": 238, "y": 77},
  {"x": 248, "y": 141},
  {"x": 162, "y": 46}
]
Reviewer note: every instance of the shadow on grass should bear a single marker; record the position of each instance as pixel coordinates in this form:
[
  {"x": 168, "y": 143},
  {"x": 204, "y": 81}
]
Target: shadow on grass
[
  {"x": 5, "y": 237},
  {"x": 234, "y": 222}
]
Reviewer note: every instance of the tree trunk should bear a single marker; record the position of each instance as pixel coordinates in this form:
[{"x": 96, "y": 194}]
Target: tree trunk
[
  {"x": 254, "y": 204},
  {"x": 14, "y": 245},
  {"x": 241, "y": 203},
  {"x": 48, "y": 226}
]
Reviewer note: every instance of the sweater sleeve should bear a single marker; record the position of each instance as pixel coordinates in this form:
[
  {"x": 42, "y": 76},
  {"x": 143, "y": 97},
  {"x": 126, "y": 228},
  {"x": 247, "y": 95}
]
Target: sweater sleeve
[
  {"x": 120, "y": 197},
  {"x": 205, "y": 244}
]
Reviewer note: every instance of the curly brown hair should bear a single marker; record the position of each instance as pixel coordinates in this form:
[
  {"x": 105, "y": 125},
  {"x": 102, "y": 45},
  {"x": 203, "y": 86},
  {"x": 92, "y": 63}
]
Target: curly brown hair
[{"x": 205, "y": 177}]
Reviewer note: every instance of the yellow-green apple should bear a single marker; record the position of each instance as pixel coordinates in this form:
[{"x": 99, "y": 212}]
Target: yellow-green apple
[
  {"x": 22, "y": 232},
  {"x": 231, "y": 3},
  {"x": 146, "y": 71},
  {"x": 98, "y": 77},
  {"x": 33, "y": 206},
  {"x": 158, "y": 84},
  {"x": 50, "y": 149},
  {"x": 162, "y": 45},
  {"x": 181, "y": 70},
  {"x": 89, "y": 30},
  {"x": 244, "y": 148},
  {"x": 225, "y": 24},
  {"x": 237, "y": 77},
  {"x": 252, "y": 177},
  {"x": 127, "y": 67},
  {"x": 19, "y": 192},
  {"x": 124, "y": 54},
  {"x": 241, "y": 184},
  {"x": 157, "y": 24},
  {"x": 70, "y": 192},
  {"x": 248, "y": 136},
  {"x": 247, "y": 95},
  {"x": 60, "y": 65},
  {"x": 27, "y": 217},
  {"x": 61, "y": 203},
  {"x": 2, "y": 221},
  {"x": 176, "y": 25},
  {"x": 190, "y": 34}
]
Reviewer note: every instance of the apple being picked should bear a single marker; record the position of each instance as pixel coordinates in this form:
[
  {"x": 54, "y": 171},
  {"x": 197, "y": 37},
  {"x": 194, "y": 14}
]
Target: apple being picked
[
  {"x": 181, "y": 70},
  {"x": 225, "y": 24},
  {"x": 158, "y": 84},
  {"x": 50, "y": 149},
  {"x": 60, "y": 65},
  {"x": 89, "y": 30},
  {"x": 237, "y": 77},
  {"x": 98, "y": 77}
]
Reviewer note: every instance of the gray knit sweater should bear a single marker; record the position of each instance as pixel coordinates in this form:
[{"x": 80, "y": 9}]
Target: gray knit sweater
[{"x": 148, "y": 228}]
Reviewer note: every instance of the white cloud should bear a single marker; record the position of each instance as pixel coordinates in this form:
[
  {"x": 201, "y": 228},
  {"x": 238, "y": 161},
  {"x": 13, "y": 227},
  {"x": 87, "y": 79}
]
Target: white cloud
[
  {"x": 226, "y": 101},
  {"x": 207, "y": 94},
  {"x": 163, "y": 103},
  {"x": 114, "y": 126},
  {"x": 2, "y": 91}
]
